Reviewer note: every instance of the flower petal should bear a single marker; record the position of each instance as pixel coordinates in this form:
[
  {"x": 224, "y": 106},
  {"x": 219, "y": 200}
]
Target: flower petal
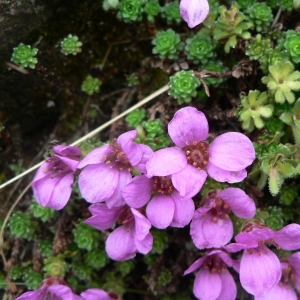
[
  {"x": 218, "y": 233},
  {"x": 103, "y": 217},
  {"x": 288, "y": 238},
  {"x": 257, "y": 234},
  {"x": 195, "y": 265},
  {"x": 120, "y": 244},
  {"x": 228, "y": 290},
  {"x": 240, "y": 203},
  {"x": 147, "y": 153},
  {"x": 96, "y": 156},
  {"x": 197, "y": 233},
  {"x": 166, "y": 161},
  {"x": 98, "y": 183},
  {"x": 63, "y": 291},
  {"x": 95, "y": 294},
  {"x": 260, "y": 270},
  {"x": 231, "y": 151},
  {"x": 294, "y": 261},
  {"x": 189, "y": 181},
  {"x": 279, "y": 292},
  {"x": 31, "y": 295},
  {"x": 225, "y": 176},
  {"x": 184, "y": 210},
  {"x": 160, "y": 211},
  {"x": 207, "y": 285},
  {"x": 188, "y": 125},
  {"x": 194, "y": 12},
  {"x": 138, "y": 191},
  {"x": 132, "y": 150},
  {"x": 117, "y": 199}
]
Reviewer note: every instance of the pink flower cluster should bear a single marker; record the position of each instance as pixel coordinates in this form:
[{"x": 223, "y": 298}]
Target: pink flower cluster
[
  {"x": 130, "y": 185},
  {"x": 55, "y": 289}
]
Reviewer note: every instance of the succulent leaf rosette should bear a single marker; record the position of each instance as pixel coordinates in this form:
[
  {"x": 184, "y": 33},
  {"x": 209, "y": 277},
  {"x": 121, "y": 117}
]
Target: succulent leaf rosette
[
  {"x": 252, "y": 108},
  {"x": 183, "y": 86},
  {"x": 24, "y": 56},
  {"x": 152, "y": 9},
  {"x": 199, "y": 48},
  {"x": 91, "y": 85},
  {"x": 257, "y": 47},
  {"x": 71, "y": 45},
  {"x": 261, "y": 15},
  {"x": 282, "y": 81},
  {"x": 131, "y": 10},
  {"x": 167, "y": 44},
  {"x": 292, "y": 45},
  {"x": 171, "y": 12}
]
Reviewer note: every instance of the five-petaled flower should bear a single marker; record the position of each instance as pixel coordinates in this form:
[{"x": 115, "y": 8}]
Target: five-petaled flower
[
  {"x": 108, "y": 169},
  {"x": 211, "y": 225},
  {"x": 260, "y": 268},
  {"x": 213, "y": 280},
  {"x": 126, "y": 240},
  {"x": 52, "y": 184},
  {"x": 225, "y": 159},
  {"x": 167, "y": 207}
]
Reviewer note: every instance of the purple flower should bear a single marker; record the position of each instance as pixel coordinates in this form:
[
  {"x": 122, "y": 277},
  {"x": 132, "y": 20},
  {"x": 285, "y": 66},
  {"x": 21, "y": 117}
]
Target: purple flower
[
  {"x": 109, "y": 169},
  {"x": 166, "y": 208},
  {"x": 211, "y": 225},
  {"x": 225, "y": 159},
  {"x": 51, "y": 288},
  {"x": 290, "y": 276},
  {"x": 52, "y": 184},
  {"x": 213, "y": 281},
  {"x": 194, "y": 12},
  {"x": 125, "y": 241},
  {"x": 97, "y": 294},
  {"x": 260, "y": 268}
]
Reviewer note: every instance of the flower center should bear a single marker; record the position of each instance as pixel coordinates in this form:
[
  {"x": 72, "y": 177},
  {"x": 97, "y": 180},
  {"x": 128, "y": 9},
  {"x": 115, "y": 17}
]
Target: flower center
[
  {"x": 197, "y": 154},
  {"x": 220, "y": 210},
  {"x": 126, "y": 216},
  {"x": 117, "y": 158},
  {"x": 162, "y": 185},
  {"x": 58, "y": 166},
  {"x": 215, "y": 264},
  {"x": 288, "y": 276}
]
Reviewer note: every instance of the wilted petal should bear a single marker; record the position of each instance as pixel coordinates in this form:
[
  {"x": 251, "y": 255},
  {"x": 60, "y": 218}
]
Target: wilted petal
[
  {"x": 96, "y": 156},
  {"x": 98, "y": 183},
  {"x": 207, "y": 285},
  {"x": 189, "y": 181},
  {"x": 95, "y": 294},
  {"x": 138, "y": 191},
  {"x": 120, "y": 244},
  {"x": 225, "y": 176},
  {"x": 240, "y": 203},
  {"x": 188, "y": 125},
  {"x": 184, "y": 210},
  {"x": 288, "y": 238},
  {"x": 260, "y": 270},
  {"x": 231, "y": 151},
  {"x": 160, "y": 211},
  {"x": 103, "y": 217},
  {"x": 132, "y": 150},
  {"x": 228, "y": 290},
  {"x": 294, "y": 261},
  {"x": 166, "y": 161},
  {"x": 279, "y": 292},
  {"x": 117, "y": 199},
  {"x": 194, "y": 12}
]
